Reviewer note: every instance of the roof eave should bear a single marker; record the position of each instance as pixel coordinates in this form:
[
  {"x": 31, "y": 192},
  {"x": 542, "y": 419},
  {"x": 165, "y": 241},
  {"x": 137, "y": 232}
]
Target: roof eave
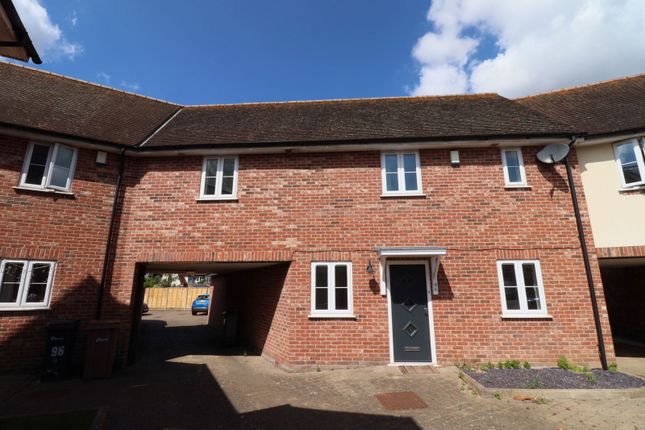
[{"x": 22, "y": 37}]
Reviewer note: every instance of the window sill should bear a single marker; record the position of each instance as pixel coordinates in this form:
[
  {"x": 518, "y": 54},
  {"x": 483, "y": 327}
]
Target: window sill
[
  {"x": 331, "y": 316},
  {"x": 636, "y": 188},
  {"x": 217, "y": 199},
  {"x": 518, "y": 187},
  {"x": 44, "y": 190},
  {"x": 24, "y": 308},
  {"x": 386, "y": 195},
  {"x": 526, "y": 316}
]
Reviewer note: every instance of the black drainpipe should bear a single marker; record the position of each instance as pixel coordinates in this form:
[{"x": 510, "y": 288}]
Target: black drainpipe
[
  {"x": 585, "y": 257},
  {"x": 108, "y": 245}
]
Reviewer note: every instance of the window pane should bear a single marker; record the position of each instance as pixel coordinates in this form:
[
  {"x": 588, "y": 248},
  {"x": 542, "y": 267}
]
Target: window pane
[
  {"x": 529, "y": 274},
  {"x": 321, "y": 298},
  {"x": 627, "y": 156},
  {"x": 508, "y": 273},
  {"x": 392, "y": 182},
  {"x": 321, "y": 277},
  {"x": 229, "y": 166},
  {"x": 341, "y": 276},
  {"x": 59, "y": 177},
  {"x": 37, "y": 165},
  {"x": 40, "y": 273},
  {"x": 512, "y": 159},
  {"x": 10, "y": 282},
  {"x": 533, "y": 298},
  {"x": 64, "y": 157},
  {"x": 209, "y": 186},
  {"x": 391, "y": 163},
  {"x": 512, "y": 299},
  {"x": 411, "y": 181},
  {"x": 227, "y": 186},
  {"x": 410, "y": 162},
  {"x": 211, "y": 167},
  {"x": 341, "y": 299},
  {"x": 514, "y": 174}
]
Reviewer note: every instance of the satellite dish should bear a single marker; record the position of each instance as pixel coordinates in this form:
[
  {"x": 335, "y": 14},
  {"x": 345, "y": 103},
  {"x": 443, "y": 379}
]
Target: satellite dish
[{"x": 553, "y": 153}]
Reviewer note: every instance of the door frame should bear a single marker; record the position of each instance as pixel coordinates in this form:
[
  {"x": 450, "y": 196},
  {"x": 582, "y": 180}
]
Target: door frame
[{"x": 433, "y": 350}]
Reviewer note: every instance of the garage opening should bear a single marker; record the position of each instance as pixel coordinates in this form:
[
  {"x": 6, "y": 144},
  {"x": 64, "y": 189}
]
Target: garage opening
[
  {"x": 624, "y": 286},
  {"x": 202, "y": 308}
]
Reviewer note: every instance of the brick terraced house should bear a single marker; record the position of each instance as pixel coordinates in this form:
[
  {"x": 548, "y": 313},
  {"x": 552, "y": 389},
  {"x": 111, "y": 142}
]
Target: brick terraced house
[{"x": 342, "y": 232}]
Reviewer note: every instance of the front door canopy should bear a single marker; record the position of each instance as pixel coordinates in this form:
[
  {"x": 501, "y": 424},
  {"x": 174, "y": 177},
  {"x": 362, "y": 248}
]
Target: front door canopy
[{"x": 433, "y": 253}]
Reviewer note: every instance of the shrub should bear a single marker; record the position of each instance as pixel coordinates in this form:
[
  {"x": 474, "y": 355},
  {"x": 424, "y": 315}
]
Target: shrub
[
  {"x": 487, "y": 366},
  {"x": 534, "y": 383},
  {"x": 563, "y": 363},
  {"x": 526, "y": 365},
  {"x": 613, "y": 368}
]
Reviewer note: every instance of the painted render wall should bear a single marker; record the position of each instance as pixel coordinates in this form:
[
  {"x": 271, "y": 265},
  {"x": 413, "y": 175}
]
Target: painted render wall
[{"x": 616, "y": 216}]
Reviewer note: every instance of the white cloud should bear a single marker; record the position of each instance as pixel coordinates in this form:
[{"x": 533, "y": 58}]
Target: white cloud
[
  {"x": 48, "y": 38},
  {"x": 543, "y": 44},
  {"x": 103, "y": 77},
  {"x": 130, "y": 86}
]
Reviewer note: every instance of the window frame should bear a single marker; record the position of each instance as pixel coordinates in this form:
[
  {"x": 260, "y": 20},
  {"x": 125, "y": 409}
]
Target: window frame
[
  {"x": 218, "y": 181},
  {"x": 638, "y": 146},
  {"x": 507, "y": 180},
  {"x": 400, "y": 174},
  {"x": 523, "y": 311},
  {"x": 45, "y": 183},
  {"x": 331, "y": 311},
  {"x": 25, "y": 279}
]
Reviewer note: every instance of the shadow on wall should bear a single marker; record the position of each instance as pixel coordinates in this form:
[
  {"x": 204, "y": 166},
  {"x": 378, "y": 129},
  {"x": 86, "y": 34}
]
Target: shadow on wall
[
  {"x": 253, "y": 295},
  {"x": 23, "y": 349}
]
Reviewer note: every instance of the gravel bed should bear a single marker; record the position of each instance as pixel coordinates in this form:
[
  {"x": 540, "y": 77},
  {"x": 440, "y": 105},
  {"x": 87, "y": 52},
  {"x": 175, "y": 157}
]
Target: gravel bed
[{"x": 553, "y": 378}]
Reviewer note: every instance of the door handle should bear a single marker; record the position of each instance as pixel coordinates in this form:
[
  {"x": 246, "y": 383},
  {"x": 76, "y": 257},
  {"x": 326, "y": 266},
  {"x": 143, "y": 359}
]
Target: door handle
[{"x": 425, "y": 309}]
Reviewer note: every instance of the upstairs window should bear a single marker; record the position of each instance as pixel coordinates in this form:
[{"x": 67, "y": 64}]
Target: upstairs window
[
  {"x": 514, "y": 174},
  {"x": 25, "y": 284},
  {"x": 48, "y": 167},
  {"x": 401, "y": 173},
  {"x": 219, "y": 179},
  {"x": 521, "y": 288},
  {"x": 331, "y": 290},
  {"x": 629, "y": 158}
]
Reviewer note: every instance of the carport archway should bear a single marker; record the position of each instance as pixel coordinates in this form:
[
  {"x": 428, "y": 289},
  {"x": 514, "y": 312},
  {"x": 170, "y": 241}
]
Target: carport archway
[
  {"x": 624, "y": 286},
  {"x": 244, "y": 299}
]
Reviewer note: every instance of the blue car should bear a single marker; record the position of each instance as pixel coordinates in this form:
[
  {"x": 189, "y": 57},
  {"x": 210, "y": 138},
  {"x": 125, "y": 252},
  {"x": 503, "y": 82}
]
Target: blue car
[{"x": 200, "y": 304}]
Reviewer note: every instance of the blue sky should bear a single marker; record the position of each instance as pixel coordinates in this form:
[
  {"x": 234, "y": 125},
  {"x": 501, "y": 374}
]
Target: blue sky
[
  {"x": 228, "y": 51},
  {"x": 231, "y": 51}
]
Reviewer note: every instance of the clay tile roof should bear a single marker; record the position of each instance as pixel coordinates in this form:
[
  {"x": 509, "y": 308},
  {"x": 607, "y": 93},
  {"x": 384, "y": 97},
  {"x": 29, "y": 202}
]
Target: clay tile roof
[
  {"x": 53, "y": 103},
  {"x": 602, "y": 108},
  {"x": 379, "y": 119}
]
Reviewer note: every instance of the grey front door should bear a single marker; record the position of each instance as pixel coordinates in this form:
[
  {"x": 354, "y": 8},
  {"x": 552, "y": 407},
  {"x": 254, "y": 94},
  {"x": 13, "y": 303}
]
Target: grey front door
[{"x": 409, "y": 306}]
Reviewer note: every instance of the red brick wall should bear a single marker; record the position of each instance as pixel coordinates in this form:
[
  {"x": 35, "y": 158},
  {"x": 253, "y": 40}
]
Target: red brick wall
[
  {"x": 328, "y": 207},
  {"x": 70, "y": 230}
]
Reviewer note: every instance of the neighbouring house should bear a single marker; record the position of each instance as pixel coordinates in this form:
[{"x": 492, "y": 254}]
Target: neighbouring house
[
  {"x": 342, "y": 232},
  {"x": 612, "y": 168}
]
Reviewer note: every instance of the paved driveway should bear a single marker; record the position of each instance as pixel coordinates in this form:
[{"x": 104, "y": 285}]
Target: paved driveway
[{"x": 182, "y": 382}]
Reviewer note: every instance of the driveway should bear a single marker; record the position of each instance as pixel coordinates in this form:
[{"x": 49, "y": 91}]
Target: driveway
[{"x": 182, "y": 382}]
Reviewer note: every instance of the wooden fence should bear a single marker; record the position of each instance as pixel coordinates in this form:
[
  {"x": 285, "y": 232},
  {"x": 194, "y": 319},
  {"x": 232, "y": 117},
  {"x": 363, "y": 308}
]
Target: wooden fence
[{"x": 173, "y": 298}]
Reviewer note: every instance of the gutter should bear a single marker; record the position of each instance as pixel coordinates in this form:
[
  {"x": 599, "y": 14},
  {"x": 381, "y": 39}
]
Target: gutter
[
  {"x": 110, "y": 238},
  {"x": 585, "y": 256}
]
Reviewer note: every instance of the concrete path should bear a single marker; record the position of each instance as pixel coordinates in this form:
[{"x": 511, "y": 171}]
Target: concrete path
[{"x": 182, "y": 382}]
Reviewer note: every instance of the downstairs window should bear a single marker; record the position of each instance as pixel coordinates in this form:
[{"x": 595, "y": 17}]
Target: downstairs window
[{"x": 25, "y": 284}]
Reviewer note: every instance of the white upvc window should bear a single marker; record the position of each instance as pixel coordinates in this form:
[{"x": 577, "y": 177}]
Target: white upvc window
[
  {"x": 49, "y": 166},
  {"x": 401, "y": 173},
  {"x": 25, "y": 284},
  {"x": 514, "y": 174},
  {"x": 629, "y": 159},
  {"x": 219, "y": 178},
  {"x": 331, "y": 289},
  {"x": 521, "y": 288}
]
